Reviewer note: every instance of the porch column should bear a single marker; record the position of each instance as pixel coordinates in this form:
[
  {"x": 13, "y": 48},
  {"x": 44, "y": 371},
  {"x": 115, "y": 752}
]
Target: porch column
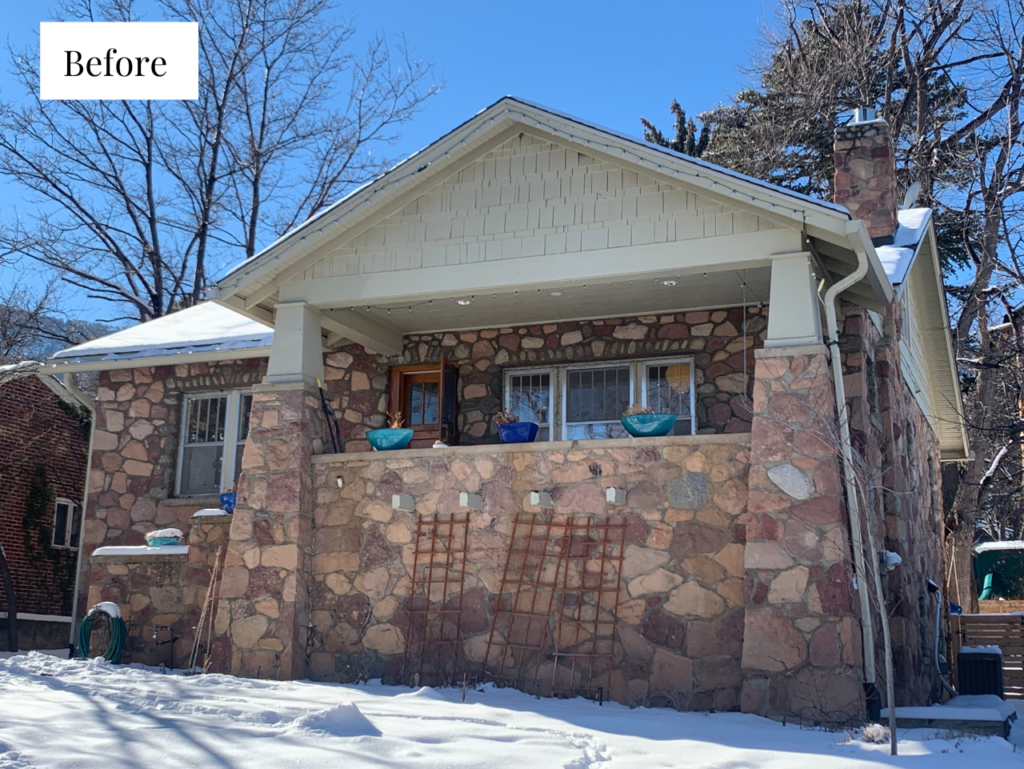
[
  {"x": 296, "y": 354},
  {"x": 793, "y": 311},
  {"x": 263, "y": 616},
  {"x": 801, "y": 641}
]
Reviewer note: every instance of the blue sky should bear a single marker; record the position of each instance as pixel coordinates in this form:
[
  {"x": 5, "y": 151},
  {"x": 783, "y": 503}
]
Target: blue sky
[{"x": 607, "y": 62}]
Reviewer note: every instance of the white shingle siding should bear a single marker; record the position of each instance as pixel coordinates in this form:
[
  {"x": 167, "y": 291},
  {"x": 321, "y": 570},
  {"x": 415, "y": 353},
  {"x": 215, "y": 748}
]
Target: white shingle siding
[{"x": 528, "y": 198}]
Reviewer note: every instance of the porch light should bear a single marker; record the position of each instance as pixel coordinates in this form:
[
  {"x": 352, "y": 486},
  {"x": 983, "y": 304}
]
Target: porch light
[{"x": 340, "y": 481}]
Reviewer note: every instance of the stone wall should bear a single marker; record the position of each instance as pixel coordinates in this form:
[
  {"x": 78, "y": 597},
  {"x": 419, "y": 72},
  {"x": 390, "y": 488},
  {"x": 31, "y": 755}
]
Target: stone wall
[
  {"x": 680, "y": 616},
  {"x": 156, "y": 589},
  {"x": 135, "y": 451},
  {"x": 714, "y": 339},
  {"x": 801, "y": 646},
  {"x": 901, "y": 461}
]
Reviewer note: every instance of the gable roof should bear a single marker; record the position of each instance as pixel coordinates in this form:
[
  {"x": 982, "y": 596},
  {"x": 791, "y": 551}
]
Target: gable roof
[
  {"x": 206, "y": 331},
  {"x": 898, "y": 258},
  {"x": 250, "y": 282}
]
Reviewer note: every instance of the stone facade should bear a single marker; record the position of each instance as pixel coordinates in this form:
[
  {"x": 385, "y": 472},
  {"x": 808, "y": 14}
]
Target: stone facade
[
  {"x": 900, "y": 455},
  {"x": 736, "y": 587},
  {"x": 264, "y": 609},
  {"x": 680, "y": 615},
  {"x": 162, "y": 591},
  {"x": 865, "y": 176},
  {"x": 801, "y": 645}
]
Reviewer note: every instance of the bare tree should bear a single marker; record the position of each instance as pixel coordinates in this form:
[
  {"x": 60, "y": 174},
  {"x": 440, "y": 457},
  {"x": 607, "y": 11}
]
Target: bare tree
[{"x": 139, "y": 202}]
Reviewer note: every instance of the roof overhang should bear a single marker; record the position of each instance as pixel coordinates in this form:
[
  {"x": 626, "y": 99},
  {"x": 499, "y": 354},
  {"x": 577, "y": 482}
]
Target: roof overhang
[{"x": 252, "y": 287}]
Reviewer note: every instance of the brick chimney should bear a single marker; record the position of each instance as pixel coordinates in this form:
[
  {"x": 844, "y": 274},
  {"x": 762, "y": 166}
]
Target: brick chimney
[{"x": 865, "y": 178}]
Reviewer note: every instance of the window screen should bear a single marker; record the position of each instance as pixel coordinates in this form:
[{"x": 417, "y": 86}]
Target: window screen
[
  {"x": 529, "y": 397},
  {"x": 203, "y": 449},
  {"x": 668, "y": 392},
  {"x": 594, "y": 402}
]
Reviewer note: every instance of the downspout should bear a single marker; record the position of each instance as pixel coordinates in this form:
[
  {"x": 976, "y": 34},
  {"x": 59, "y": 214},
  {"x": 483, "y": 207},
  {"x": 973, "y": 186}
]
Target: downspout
[
  {"x": 89, "y": 403},
  {"x": 852, "y": 502}
]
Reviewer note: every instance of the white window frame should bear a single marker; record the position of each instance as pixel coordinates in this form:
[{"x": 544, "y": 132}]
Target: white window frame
[
  {"x": 564, "y": 387},
  {"x": 231, "y": 439},
  {"x": 69, "y": 525},
  {"x": 638, "y": 380},
  {"x": 648, "y": 362},
  {"x": 533, "y": 370}
]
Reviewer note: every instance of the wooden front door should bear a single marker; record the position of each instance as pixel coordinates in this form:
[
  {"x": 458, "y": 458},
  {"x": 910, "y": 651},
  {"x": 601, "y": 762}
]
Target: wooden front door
[{"x": 427, "y": 396}]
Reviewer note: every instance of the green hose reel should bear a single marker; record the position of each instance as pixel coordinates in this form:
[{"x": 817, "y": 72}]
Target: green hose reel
[{"x": 118, "y": 632}]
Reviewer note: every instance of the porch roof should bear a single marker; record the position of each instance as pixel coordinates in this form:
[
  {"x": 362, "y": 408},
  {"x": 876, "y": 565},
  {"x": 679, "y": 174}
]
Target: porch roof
[{"x": 705, "y": 275}]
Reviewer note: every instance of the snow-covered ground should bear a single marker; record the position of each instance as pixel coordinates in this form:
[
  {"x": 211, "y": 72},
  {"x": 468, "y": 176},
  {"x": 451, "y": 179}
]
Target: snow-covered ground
[{"x": 68, "y": 713}]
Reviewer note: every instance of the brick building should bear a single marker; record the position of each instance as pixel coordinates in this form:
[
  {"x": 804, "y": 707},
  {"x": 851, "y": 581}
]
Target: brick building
[
  {"x": 44, "y": 450},
  {"x": 533, "y": 262}
]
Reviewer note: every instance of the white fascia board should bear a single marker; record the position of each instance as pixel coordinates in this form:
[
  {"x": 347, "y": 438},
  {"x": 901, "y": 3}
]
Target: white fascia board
[{"x": 60, "y": 367}]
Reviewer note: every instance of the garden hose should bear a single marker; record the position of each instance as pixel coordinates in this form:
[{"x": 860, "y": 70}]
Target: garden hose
[{"x": 118, "y": 632}]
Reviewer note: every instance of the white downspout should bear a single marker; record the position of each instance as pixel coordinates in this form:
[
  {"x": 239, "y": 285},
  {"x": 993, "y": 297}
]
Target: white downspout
[
  {"x": 89, "y": 403},
  {"x": 852, "y": 502}
]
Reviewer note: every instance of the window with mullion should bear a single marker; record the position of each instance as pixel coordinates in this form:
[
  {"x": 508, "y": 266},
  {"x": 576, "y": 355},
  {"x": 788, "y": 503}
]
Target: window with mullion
[
  {"x": 594, "y": 401},
  {"x": 668, "y": 389},
  {"x": 528, "y": 396}
]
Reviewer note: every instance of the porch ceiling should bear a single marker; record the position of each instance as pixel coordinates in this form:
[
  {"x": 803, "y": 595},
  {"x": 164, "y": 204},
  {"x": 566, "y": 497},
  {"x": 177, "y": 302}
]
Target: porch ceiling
[{"x": 577, "y": 301}]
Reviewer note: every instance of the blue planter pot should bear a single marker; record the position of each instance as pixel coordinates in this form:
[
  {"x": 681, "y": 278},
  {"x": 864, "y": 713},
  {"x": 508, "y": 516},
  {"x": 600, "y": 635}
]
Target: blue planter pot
[
  {"x": 390, "y": 438},
  {"x": 518, "y": 432},
  {"x": 649, "y": 425},
  {"x": 228, "y": 501}
]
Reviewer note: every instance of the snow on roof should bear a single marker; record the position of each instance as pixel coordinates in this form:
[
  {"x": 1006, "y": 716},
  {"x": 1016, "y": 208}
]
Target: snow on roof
[
  {"x": 1013, "y": 544},
  {"x": 897, "y": 258},
  {"x": 206, "y": 327}
]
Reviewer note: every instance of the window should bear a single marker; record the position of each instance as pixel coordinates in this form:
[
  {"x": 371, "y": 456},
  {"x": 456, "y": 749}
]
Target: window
[
  {"x": 214, "y": 428},
  {"x": 594, "y": 401},
  {"x": 426, "y": 396},
  {"x": 668, "y": 389},
  {"x": 67, "y": 523},
  {"x": 591, "y": 398},
  {"x": 529, "y": 395}
]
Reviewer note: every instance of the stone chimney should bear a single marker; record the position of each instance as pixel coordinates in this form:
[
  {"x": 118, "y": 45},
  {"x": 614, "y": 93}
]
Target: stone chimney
[{"x": 865, "y": 178}]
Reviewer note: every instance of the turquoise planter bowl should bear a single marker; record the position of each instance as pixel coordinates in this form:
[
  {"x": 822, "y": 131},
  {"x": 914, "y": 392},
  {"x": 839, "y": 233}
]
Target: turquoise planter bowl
[
  {"x": 649, "y": 425},
  {"x": 161, "y": 541},
  {"x": 390, "y": 438}
]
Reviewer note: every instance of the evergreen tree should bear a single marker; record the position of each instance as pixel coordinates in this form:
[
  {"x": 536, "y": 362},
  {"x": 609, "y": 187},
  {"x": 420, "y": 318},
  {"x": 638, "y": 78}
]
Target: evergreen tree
[{"x": 686, "y": 140}]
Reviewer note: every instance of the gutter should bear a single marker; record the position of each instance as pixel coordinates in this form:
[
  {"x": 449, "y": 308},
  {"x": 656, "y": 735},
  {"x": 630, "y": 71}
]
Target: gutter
[
  {"x": 58, "y": 366},
  {"x": 852, "y": 501}
]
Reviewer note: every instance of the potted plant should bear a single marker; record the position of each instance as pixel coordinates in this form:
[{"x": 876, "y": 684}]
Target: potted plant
[
  {"x": 392, "y": 437},
  {"x": 511, "y": 430},
  {"x": 643, "y": 422}
]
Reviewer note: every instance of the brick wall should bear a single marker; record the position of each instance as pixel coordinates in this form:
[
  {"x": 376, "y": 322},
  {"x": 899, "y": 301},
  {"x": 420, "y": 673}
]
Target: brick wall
[{"x": 34, "y": 431}]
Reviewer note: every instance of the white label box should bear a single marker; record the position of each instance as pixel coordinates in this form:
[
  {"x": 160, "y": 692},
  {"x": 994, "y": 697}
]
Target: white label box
[{"x": 119, "y": 60}]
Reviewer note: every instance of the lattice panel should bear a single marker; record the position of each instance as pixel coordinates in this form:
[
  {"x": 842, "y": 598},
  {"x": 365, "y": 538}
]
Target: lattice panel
[{"x": 432, "y": 638}]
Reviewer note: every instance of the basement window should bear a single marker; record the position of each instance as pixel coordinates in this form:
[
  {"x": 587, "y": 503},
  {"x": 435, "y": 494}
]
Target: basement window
[
  {"x": 585, "y": 402},
  {"x": 214, "y": 428},
  {"x": 67, "y": 523}
]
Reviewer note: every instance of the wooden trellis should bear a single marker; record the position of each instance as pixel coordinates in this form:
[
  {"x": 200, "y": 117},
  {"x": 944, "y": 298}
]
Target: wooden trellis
[{"x": 432, "y": 637}]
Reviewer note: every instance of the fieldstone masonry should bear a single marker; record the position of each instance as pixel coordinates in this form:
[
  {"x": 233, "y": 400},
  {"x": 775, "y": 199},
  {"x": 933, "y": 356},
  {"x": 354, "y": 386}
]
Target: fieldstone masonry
[
  {"x": 801, "y": 643},
  {"x": 264, "y": 610}
]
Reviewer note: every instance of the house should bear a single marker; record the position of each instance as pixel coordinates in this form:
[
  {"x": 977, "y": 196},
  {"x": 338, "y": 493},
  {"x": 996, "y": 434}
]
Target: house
[
  {"x": 533, "y": 261},
  {"x": 44, "y": 450}
]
